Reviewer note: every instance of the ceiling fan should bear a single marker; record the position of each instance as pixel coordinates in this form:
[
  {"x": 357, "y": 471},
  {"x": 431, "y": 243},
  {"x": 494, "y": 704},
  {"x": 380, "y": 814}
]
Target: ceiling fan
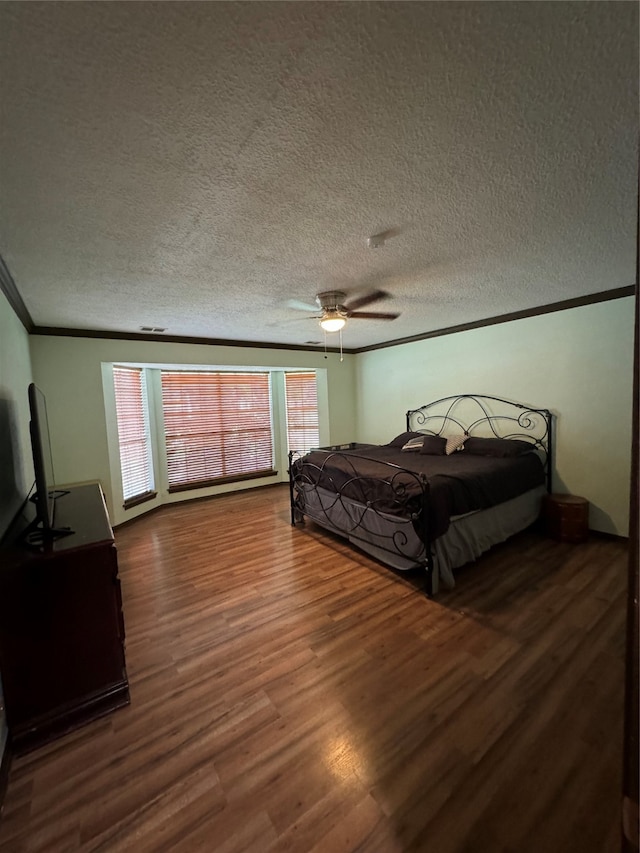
[{"x": 334, "y": 311}]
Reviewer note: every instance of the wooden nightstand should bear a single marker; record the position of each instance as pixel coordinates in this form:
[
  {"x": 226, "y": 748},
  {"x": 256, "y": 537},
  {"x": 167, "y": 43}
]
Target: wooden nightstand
[{"x": 567, "y": 517}]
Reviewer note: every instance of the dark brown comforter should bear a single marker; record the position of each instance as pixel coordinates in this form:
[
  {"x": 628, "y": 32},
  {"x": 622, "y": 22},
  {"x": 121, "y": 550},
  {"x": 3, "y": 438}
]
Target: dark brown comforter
[{"x": 394, "y": 482}]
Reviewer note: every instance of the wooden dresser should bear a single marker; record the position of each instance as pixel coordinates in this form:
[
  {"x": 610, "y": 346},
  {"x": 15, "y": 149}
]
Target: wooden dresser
[{"x": 62, "y": 634}]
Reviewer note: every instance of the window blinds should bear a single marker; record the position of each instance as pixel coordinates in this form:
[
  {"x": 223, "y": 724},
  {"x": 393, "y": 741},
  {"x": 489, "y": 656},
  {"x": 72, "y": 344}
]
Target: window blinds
[
  {"x": 301, "y": 396},
  {"x": 217, "y": 427},
  {"x": 133, "y": 433}
]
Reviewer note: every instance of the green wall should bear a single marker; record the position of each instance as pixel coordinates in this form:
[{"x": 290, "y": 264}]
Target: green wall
[
  {"x": 70, "y": 373},
  {"x": 577, "y": 363},
  {"x": 16, "y": 467}
]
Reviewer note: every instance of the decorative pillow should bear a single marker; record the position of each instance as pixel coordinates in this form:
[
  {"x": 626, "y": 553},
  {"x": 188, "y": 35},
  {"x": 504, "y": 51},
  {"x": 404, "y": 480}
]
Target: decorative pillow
[
  {"x": 497, "y": 447},
  {"x": 455, "y": 442},
  {"x": 434, "y": 445},
  {"x": 414, "y": 444},
  {"x": 403, "y": 438}
]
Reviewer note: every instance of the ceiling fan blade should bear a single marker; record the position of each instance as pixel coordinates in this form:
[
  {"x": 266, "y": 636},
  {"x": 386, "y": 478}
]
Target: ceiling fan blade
[
  {"x": 298, "y": 305},
  {"x": 367, "y": 299},
  {"x": 372, "y": 315}
]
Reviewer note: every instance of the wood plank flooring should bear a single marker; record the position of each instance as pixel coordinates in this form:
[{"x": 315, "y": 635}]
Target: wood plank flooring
[{"x": 290, "y": 694}]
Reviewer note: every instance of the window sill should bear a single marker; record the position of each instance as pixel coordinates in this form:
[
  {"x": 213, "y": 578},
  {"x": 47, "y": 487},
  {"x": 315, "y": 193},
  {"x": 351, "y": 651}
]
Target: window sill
[
  {"x": 139, "y": 499},
  {"x": 221, "y": 481}
]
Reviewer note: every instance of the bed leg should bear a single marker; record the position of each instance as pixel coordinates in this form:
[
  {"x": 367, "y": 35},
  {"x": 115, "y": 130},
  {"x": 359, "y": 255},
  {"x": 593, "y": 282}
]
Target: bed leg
[{"x": 428, "y": 586}]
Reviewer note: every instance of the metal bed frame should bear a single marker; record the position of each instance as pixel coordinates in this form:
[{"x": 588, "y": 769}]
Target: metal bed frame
[{"x": 406, "y": 493}]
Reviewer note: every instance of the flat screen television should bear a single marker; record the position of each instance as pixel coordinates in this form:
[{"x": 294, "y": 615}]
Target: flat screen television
[{"x": 43, "y": 528}]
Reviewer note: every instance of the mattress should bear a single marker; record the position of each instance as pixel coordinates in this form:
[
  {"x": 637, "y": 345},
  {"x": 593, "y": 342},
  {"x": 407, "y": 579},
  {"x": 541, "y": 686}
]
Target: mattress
[{"x": 395, "y": 482}]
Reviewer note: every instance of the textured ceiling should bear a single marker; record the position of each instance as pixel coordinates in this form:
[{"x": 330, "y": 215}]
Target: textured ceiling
[{"x": 194, "y": 166}]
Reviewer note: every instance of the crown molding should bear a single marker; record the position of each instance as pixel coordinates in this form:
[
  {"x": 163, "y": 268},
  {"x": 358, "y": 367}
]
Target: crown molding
[
  {"x": 565, "y": 305},
  {"x": 174, "y": 339},
  {"x": 8, "y": 287}
]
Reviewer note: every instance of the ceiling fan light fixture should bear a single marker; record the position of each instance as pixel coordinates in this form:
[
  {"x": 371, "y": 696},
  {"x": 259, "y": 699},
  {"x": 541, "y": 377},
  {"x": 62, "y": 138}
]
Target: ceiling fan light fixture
[{"x": 332, "y": 322}]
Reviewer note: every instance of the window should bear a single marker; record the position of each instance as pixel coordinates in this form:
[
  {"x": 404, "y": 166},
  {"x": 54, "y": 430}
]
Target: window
[
  {"x": 133, "y": 435},
  {"x": 217, "y": 427},
  {"x": 301, "y": 394}
]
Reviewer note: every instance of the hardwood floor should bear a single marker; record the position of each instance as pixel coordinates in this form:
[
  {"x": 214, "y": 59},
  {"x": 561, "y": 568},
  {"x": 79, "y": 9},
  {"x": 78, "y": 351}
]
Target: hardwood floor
[{"x": 290, "y": 694}]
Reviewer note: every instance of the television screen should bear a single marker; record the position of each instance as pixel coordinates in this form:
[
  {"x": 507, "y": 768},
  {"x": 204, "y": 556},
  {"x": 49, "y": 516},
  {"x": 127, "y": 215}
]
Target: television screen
[{"x": 42, "y": 459}]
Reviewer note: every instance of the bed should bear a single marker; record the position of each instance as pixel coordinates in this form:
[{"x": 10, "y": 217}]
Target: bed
[{"x": 468, "y": 472}]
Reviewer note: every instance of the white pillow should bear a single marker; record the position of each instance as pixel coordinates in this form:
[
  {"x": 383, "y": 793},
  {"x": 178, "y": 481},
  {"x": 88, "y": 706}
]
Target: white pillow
[
  {"x": 414, "y": 443},
  {"x": 454, "y": 442}
]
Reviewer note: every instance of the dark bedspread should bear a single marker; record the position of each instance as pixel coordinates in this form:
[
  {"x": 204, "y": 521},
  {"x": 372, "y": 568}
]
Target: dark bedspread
[{"x": 456, "y": 484}]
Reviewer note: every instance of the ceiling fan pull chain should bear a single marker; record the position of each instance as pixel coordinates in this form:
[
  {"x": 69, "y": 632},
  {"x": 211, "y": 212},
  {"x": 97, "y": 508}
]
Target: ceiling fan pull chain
[{"x": 341, "y": 356}]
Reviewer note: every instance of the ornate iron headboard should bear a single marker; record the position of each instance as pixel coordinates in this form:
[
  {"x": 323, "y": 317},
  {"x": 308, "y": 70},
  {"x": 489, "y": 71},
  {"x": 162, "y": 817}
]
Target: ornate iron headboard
[{"x": 475, "y": 414}]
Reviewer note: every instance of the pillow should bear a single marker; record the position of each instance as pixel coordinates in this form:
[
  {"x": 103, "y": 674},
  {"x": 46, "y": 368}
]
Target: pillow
[
  {"x": 497, "y": 447},
  {"x": 455, "y": 442},
  {"x": 434, "y": 445},
  {"x": 414, "y": 444},
  {"x": 403, "y": 438}
]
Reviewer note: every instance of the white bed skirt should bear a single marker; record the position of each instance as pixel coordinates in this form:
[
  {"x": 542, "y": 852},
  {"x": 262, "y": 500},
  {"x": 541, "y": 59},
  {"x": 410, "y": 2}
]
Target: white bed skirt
[{"x": 394, "y": 541}]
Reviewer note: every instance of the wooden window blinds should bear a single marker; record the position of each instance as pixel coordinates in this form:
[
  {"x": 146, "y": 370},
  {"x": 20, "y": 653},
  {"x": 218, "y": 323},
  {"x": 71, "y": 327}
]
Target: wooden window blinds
[
  {"x": 301, "y": 394},
  {"x": 217, "y": 427},
  {"x": 136, "y": 462}
]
